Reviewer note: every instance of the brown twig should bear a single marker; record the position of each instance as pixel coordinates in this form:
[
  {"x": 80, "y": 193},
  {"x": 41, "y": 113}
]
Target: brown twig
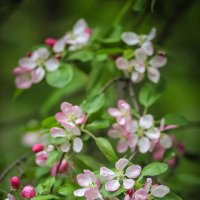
[{"x": 13, "y": 165}]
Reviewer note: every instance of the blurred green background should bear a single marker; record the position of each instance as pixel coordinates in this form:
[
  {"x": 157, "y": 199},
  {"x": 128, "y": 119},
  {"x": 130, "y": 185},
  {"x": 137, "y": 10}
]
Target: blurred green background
[{"x": 24, "y": 24}]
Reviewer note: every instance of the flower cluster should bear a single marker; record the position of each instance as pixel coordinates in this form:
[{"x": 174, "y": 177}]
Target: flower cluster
[
  {"x": 27, "y": 192},
  {"x": 33, "y": 67},
  {"x": 141, "y": 134},
  {"x": 111, "y": 180},
  {"x": 69, "y": 118},
  {"x": 146, "y": 59}
]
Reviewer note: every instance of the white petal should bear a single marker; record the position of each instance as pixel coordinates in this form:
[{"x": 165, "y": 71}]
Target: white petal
[
  {"x": 106, "y": 173},
  {"x": 144, "y": 145},
  {"x": 128, "y": 183},
  {"x": 148, "y": 48},
  {"x": 122, "y": 146},
  {"x": 41, "y": 53},
  {"x": 59, "y": 45},
  {"x": 37, "y": 75},
  {"x": 140, "y": 54},
  {"x": 121, "y": 164},
  {"x": 158, "y": 61},
  {"x": 52, "y": 64},
  {"x": 77, "y": 144},
  {"x": 146, "y": 121},
  {"x": 122, "y": 63},
  {"x": 166, "y": 141},
  {"x": 57, "y": 132},
  {"x": 148, "y": 184},
  {"x": 80, "y": 192},
  {"x": 140, "y": 66},
  {"x": 136, "y": 77},
  {"x": 160, "y": 191},
  {"x": 28, "y": 63},
  {"x": 130, "y": 38},
  {"x": 153, "y": 133},
  {"x": 131, "y": 126},
  {"x": 65, "y": 147},
  {"x": 133, "y": 171},
  {"x": 152, "y": 34},
  {"x": 112, "y": 185},
  {"x": 153, "y": 74},
  {"x": 79, "y": 26}
]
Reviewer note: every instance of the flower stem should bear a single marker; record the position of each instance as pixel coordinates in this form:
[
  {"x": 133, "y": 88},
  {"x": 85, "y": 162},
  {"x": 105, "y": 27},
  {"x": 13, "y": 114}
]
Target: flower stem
[{"x": 89, "y": 133}]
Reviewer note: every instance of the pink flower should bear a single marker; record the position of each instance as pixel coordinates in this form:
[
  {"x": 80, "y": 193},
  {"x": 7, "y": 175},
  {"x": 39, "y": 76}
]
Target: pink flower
[
  {"x": 91, "y": 185},
  {"x": 71, "y": 134},
  {"x": 50, "y": 41},
  {"x": 76, "y": 39},
  {"x": 10, "y": 197},
  {"x": 37, "y": 148},
  {"x": 113, "y": 178},
  {"x": 70, "y": 114},
  {"x": 28, "y": 192},
  {"x": 168, "y": 127},
  {"x": 121, "y": 113},
  {"x": 15, "y": 182},
  {"x": 126, "y": 138},
  {"x": 62, "y": 169}
]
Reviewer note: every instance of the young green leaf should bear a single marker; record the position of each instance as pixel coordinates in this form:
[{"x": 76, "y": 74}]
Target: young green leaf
[
  {"x": 99, "y": 124},
  {"x": 93, "y": 104},
  {"x": 83, "y": 56},
  {"x": 52, "y": 157},
  {"x": 49, "y": 122},
  {"x": 175, "y": 119},
  {"x": 67, "y": 189},
  {"x": 45, "y": 197},
  {"x": 61, "y": 77},
  {"x": 154, "y": 169},
  {"x": 170, "y": 196},
  {"x": 150, "y": 93},
  {"x": 106, "y": 148}
]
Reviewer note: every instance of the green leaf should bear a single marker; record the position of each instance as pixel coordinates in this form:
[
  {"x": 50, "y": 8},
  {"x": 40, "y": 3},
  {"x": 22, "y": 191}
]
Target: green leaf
[
  {"x": 175, "y": 119},
  {"x": 61, "y": 77},
  {"x": 3, "y": 195},
  {"x": 99, "y": 124},
  {"x": 93, "y": 104},
  {"x": 89, "y": 161},
  {"x": 49, "y": 182},
  {"x": 52, "y": 157},
  {"x": 154, "y": 169},
  {"x": 170, "y": 196},
  {"x": 110, "y": 51},
  {"x": 83, "y": 56},
  {"x": 150, "y": 93},
  {"x": 106, "y": 148},
  {"x": 107, "y": 194},
  {"x": 189, "y": 179},
  {"x": 129, "y": 53},
  {"x": 139, "y": 5},
  {"x": 45, "y": 197},
  {"x": 49, "y": 122}
]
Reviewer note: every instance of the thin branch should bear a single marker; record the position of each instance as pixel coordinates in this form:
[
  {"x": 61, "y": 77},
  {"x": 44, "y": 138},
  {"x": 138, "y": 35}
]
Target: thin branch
[
  {"x": 57, "y": 169},
  {"x": 13, "y": 165}
]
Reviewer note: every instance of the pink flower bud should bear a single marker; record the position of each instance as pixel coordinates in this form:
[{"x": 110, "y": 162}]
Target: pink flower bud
[
  {"x": 15, "y": 182},
  {"x": 172, "y": 162},
  {"x": 88, "y": 30},
  {"x": 58, "y": 56},
  {"x": 50, "y": 41},
  {"x": 63, "y": 168},
  {"x": 28, "y": 192},
  {"x": 181, "y": 148},
  {"x": 37, "y": 148}
]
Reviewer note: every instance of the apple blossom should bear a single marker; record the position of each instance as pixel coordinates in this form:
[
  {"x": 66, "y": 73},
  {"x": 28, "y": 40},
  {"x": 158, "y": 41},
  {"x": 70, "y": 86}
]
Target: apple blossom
[
  {"x": 31, "y": 69},
  {"x": 10, "y": 197},
  {"x": 71, "y": 134},
  {"x": 113, "y": 178},
  {"x": 76, "y": 39},
  {"x": 50, "y": 41},
  {"x": 28, "y": 192},
  {"x": 15, "y": 182},
  {"x": 91, "y": 185},
  {"x": 121, "y": 113},
  {"x": 37, "y": 148},
  {"x": 62, "y": 168},
  {"x": 72, "y": 115}
]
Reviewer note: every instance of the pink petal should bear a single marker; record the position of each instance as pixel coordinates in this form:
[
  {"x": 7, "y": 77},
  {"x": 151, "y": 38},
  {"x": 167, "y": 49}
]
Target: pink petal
[
  {"x": 132, "y": 141},
  {"x": 153, "y": 133},
  {"x": 121, "y": 164},
  {"x": 79, "y": 26},
  {"x": 114, "y": 112},
  {"x": 112, "y": 185},
  {"x": 115, "y": 132},
  {"x": 166, "y": 141},
  {"x": 130, "y": 38},
  {"x": 140, "y": 54},
  {"x": 122, "y": 63},
  {"x": 77, "y": 144},
  {"x": 52, "y": 64},
  {"x": 131, "y": 126},
  {"x": 80, "y": 192},
  {"x": 28, "y": 63},
  {"x": 122, "y": 146},
  {"x": 58, "y": 132},
  {"x": 152, "y": 34},
  {"x": 65, "y": 147},
  {"x": 41, "y": 53},
  {"x": 136, "y": 77},
  {"x": 23, "y": 81},
  {"x": 133, "y": 171},
  {"x": 59, "y": 45},
  {"x": 148, "y": 184},
  {"x": 153, "y": 74},
  {"x": 92, "y": 194},
  {"x": 148, "y": 48},
  {"x": 140, "y": 194},
  {"x": 128, "y": 183},
  {"x": 158, "y": 61},
  {"x": 106, "y": 173},
  {"x": 84, "y": 180},
  {"x": 123, "y": 105},
  {"x": 37, "y": 75},
  {"x": 146, "y": 121},
  {"x": 61, "y": 117}
]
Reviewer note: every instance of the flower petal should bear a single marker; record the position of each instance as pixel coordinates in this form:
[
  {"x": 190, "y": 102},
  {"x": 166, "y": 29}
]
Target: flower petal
[
  {"x": 148, "y": 184},
  {"x": 153, "y": 74},
  {"x": 112, "y": 185},
  {"x": 160, "y": 191},
  {"x": 37, "y": 75},
  {"x": 28, "y": 63},
  {"x": 158, "y": 61},
  {"x": 65, "y": 147},
  {"x": 148, "y": 48},
  {"x": 77, "y": 144},
  {"x": 121, "y": 164},
  {"x": 136, "y": 77},
  {"x": 79, "y": 26},
  {"x": 59, "y": 45},
  {"x": 133, "y": 171},
  {"x": 128, "y": 183},
  {"x": 122, "y": 146},
  {"x": 153, "y": 133},
  {"x": 166, "y": 141},
  {"x": 52, "y": 64},
  {"x": 80, "y": 192},
  {"x": 57, "y": 132},
  {"x": 92, "y": 194},
  {"x": 106, "y": 173},
  {"x": 114, "y": 112},
  {"x": 130, "y": 38},
  {"x": 84, "y": 180},
  {"x": 144, "y": 145},
  {"x": 146, "y": 121},
  {"x": 122, "y": 63},
  {"x": 140, "y": 194}
]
